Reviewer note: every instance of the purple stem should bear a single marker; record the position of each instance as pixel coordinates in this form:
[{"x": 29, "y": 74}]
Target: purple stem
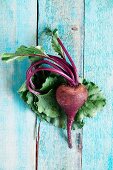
[
  {"x": 63, "y": 61},
  {"x": 46, "y": 62},
  {"x": 58, "y": 60},
  {"x": 31, "y": 90},
  {"x": 29, "y": 76},
  {"x": 64, "y": 64},
  {"x": 42, "y": 62},
  {"x": 32, "y": 85},
  {"x": 70, "y": 59}
]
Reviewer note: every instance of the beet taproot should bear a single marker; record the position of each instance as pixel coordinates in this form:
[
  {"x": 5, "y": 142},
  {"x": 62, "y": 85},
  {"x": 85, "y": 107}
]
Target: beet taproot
[{"x": 71, "y": 99}]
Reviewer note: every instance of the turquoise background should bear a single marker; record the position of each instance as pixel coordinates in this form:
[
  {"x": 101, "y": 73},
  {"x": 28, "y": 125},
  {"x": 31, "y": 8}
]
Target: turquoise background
[{"x": 93, "y": 55}]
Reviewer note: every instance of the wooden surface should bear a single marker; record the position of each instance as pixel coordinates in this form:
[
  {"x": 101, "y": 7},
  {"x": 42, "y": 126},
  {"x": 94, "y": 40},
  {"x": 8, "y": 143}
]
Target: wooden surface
[
  {"x": 18, "y": 22},
  {"x": 67, "y": 16},
  {"x": 98, "y": 132},
  {"x": 17, "y": 146}
]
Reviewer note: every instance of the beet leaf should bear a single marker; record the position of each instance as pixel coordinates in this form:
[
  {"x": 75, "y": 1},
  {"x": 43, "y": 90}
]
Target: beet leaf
[
  {"x": 56, "y": 46},
  {"x": 96, "y": 101},
  {"x": 22, "y": 52}
]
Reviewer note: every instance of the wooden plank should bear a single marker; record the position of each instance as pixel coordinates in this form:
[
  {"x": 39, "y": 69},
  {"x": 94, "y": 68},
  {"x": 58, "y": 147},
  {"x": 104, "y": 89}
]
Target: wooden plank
[
  {"x": 54, "y": 153},
  {"x": 98, "y": 132},
  {"x": 17, "y": 146}
]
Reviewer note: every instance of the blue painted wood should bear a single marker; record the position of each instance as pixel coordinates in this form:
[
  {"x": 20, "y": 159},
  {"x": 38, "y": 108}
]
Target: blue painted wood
[
  {"x": 98, "y": 132},
  {"x": 17, "y": 146},
  {"x": 54, "y": 153}
]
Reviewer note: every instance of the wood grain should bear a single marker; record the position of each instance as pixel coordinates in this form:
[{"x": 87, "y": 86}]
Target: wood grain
[
  {"x": 98, "y": 132},
  {"x": 67, "y": 16},
  {"x": 17, "y": 146}
]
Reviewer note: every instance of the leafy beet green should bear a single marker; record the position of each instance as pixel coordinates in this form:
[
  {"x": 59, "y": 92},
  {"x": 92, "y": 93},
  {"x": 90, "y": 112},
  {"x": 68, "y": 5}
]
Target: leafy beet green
[
  {"x": 87, "y": 110},
  {"x": 53, "y": 89},
  {"x": 56, "y": 46},
  {"x": 22, "y": 52},
  {"x": 52, "y": 81}
]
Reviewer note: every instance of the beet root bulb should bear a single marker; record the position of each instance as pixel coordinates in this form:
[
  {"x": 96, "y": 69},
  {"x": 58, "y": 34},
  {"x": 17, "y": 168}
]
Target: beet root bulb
[{"x": 71, "y": 99}]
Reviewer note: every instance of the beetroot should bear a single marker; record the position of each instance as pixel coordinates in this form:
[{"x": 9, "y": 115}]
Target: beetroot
[
  {"x": 71, "y": 99},
  {"x": 70, "y": 96}
]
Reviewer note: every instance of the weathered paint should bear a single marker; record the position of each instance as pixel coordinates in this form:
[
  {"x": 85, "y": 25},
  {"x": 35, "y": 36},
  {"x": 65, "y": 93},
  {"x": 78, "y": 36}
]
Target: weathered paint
[
  {"x": 67, "y": 16},
  {"x": 98, "y": 132},
  {"x": 17, "y": 26},
  {"x": 17, "y": 146}
]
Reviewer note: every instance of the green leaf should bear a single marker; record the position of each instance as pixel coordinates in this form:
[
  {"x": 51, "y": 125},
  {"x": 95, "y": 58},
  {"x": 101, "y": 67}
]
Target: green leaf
[
  {"x": 94, "y": 104},
  {"x": 23, "y": 88},
  {"x": 29, "y": 98},
  {"x": 47, "y": 104},
  {"x": 52, "y": 82},
  {"x": 22, "y": 52},
  {"x": 46, "y": 107},
  {"x": 61, "y": 121},
  {"x": 54, "y": 34}
]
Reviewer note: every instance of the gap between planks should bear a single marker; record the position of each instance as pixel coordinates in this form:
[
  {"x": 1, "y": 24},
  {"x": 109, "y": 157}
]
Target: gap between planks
[{"x": 38, "y": 130}]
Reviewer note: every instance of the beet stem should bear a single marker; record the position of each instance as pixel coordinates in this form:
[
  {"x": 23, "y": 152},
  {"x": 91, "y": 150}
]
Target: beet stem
[
  {"x": 70, "y": 59},
  {"x": 69, "y": 127},
  {"x": 29, "y": 76},
  {"x": 61, "y": 62},
  {"x": 64, "y": 64}
]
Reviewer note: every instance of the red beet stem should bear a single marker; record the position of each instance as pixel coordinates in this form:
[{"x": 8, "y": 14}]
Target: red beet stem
[
  {"x": 44, "y": 62},
  {"x": 30, "y": 70},
  {"x": 55, "y": 59},
  {"x": 61, "y": 62},
  {"x": 69, "y": 127},
  {"x": 58, "y": 66},
  {"x": 29, "y": 76},
  {"x": 64, "y": 64},
  {"x": 70, "y": 59}
]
